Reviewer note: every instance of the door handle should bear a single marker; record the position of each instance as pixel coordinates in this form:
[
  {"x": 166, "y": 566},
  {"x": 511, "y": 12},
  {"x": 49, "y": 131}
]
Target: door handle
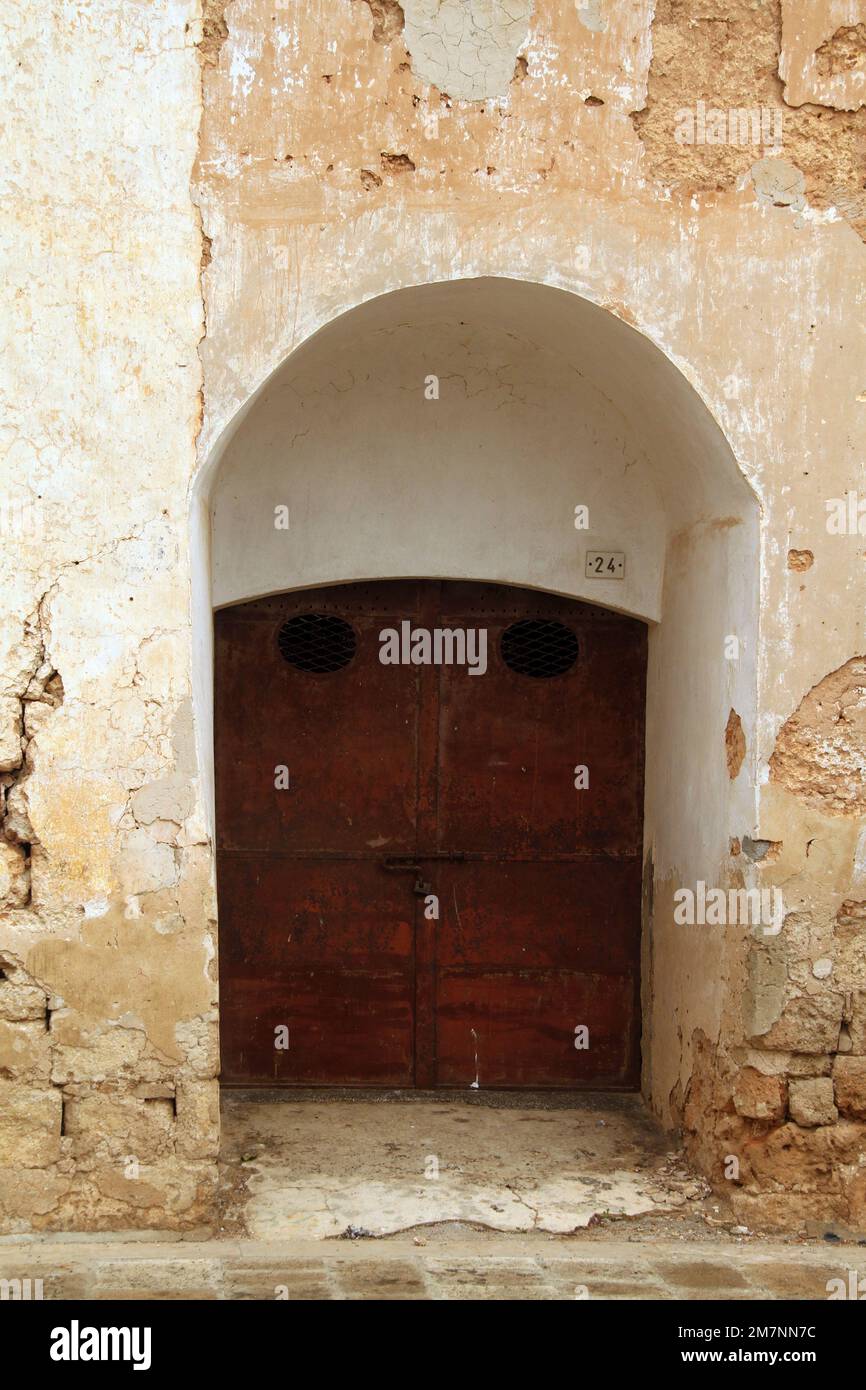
[{"x": 394, "y": 864}]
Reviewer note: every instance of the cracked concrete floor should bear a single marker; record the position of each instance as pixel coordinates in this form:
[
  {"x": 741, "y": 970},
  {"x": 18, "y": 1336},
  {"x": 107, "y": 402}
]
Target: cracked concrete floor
[
  {"x": 537, "y": 1198},
  {"x": 316, "y": 1164}
]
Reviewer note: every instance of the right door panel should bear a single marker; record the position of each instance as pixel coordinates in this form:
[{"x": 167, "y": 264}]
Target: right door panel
[{"x": 539, "y": 879}]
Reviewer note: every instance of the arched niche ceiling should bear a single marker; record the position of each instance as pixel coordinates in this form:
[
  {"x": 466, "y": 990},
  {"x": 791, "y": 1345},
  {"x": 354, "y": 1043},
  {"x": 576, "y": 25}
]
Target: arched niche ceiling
[{"x": 546, "y": 402}]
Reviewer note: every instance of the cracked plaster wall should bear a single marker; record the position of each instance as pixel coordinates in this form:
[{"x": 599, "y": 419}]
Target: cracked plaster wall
[
  {"x": 107, "y": 988},
  {"x": 467, "y": 48},
  {"x": 747, "y": 275},
  {"x": 744, "y": 264}
]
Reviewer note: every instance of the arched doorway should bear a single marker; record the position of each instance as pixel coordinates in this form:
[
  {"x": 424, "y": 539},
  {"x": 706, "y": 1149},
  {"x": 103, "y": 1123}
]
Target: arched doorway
[
  {"x": 500, "y": 432},
  {"x": 430, "y": 824}
]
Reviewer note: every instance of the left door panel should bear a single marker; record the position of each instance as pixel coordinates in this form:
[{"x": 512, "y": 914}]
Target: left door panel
[{"x": 315, "y": 937}]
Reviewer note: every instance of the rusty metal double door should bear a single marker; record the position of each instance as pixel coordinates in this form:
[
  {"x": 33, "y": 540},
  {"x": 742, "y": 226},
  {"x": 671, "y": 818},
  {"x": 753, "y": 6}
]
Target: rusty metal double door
[{"x": 429, "y": 872}]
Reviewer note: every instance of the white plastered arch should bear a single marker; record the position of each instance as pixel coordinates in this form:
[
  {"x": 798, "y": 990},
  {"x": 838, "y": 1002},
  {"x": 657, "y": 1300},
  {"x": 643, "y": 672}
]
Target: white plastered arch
[{"x": 545, "y": 402}]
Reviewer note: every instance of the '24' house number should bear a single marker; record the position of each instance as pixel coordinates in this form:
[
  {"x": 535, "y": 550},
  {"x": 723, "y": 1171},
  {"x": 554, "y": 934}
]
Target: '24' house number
[{"x": 605, "y": 564}]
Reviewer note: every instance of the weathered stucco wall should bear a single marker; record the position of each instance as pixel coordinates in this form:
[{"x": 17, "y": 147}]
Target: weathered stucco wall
[
  {"x": 107, "y": 972},
  {"x": 740, "y": 258},
  {"x": 329, "y": 172}
]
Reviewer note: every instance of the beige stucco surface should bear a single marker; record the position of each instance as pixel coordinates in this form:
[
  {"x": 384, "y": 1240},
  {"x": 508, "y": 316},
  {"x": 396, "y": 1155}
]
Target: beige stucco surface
[
  {"x": 325, "y": 173},
  {"x": 823, "y": 58},
  {"x": 108, "y": 955}
]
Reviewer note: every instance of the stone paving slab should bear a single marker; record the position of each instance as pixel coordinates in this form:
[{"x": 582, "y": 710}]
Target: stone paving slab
[{"x": 452, "y": 1266}]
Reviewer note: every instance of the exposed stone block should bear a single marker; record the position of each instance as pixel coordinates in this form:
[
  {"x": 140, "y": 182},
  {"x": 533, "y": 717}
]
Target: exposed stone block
[
  {"x": 811, "y": 1102},
  {"x": 25, "y": 1051},
  {"x": 30, "y": 1122},
  {"x": 14, "y": 875},
  {"x": 171, "y": 1192},
  {"x": 31, "y": 1196},
  {"x": 856, "y": 1193},
  {"x": 849, "y": 1077},
  {"x": 857, "y": 1024},
  {"x": 787, "y": 1063},
  {"x": 95, "y": 1056},
  {"x": 179, "y": 1190},
  {"x": 199, "y": 1040},
  {"x": 798, "y": 1159},
  {"x": 10, "y": 733},
  {"x": 104, "y": 1124},
  {"x": 17, "y": 823},
  {"x": 787, "y": 1211},
  {"x": 20, "y": 1003},
  {"x": 809, "y": 1023},
  {"x": 819, "y": 750},
  {"x": 198, "y": 1118},
  {"x": 759, "y": 1097}
]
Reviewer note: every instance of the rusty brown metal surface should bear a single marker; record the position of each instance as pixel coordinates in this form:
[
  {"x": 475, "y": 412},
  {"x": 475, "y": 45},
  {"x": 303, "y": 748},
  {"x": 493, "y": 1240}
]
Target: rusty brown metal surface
[{"x": 407, "y": 781}]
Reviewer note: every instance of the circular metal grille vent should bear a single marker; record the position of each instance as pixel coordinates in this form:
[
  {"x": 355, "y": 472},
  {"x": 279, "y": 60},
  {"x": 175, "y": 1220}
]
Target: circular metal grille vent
[
  {"x": 539, "y": 647},
  {"x": 319, "y": 642}
]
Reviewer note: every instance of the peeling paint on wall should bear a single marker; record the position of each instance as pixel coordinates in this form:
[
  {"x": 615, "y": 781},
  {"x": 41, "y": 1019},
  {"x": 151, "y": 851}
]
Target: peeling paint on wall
[
  {"x": 726, "y": 61},
  {"x": 466, "y": 48},
  {"x": 735, "y": 744},
  {"x": 820, "y": 753},
  {"x": 823, "y": 57}
]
